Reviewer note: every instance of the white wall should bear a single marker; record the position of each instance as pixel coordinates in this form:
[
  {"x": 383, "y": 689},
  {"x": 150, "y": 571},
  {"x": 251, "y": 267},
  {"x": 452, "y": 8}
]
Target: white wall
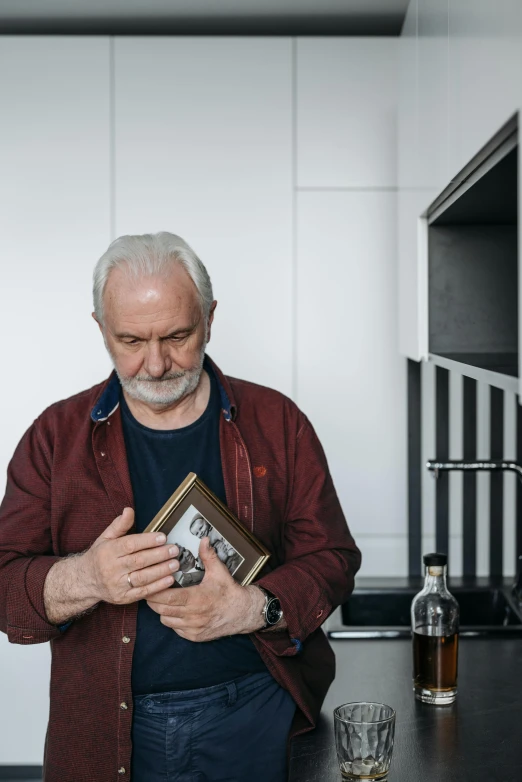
[
  {"x": 55, "y": 219},
  {"x": 351, "y": 380},
  {"x": 275, "y": 159},
  {"x": 208, "y": 155}
]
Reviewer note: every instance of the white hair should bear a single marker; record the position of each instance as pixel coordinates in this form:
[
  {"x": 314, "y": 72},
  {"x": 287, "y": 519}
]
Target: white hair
[{"x": 149, "y": 255}]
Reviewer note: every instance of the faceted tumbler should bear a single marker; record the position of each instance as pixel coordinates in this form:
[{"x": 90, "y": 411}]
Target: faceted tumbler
[{"x": 364, "y": 734}]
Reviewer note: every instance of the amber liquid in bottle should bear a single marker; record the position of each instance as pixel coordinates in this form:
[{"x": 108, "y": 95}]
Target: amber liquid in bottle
[{"x": 435, "y": 660}]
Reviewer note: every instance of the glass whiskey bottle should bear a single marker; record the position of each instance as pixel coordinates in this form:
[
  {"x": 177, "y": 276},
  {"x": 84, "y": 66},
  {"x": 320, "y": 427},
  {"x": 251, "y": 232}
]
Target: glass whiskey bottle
[{"x": 435, "y": 631}]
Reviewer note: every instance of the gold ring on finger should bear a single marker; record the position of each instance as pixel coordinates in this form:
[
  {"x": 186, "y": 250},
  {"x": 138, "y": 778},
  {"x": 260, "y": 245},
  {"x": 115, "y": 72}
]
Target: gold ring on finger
[{"x": 129, "y": 580}]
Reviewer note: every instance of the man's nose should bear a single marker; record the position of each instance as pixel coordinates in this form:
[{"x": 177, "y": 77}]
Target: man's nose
[{"x": 157, "y": 361}]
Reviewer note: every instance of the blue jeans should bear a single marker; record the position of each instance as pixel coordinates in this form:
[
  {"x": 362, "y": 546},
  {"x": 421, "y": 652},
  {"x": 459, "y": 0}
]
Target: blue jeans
[{"x": 231, "y": 732}]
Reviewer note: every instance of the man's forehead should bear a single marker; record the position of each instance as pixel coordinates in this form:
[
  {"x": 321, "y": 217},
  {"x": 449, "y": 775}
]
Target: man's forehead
[
  {"x": 145, "y": 295},
  {"x": 147, "y": 320}
]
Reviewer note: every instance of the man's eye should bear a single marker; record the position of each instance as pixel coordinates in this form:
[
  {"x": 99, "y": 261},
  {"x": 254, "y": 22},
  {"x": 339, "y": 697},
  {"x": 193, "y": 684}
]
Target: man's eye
[{"x": 131, "y": 342}]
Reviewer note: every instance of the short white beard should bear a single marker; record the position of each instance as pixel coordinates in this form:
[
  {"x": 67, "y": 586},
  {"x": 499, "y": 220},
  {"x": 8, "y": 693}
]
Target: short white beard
[{"x": 166, "y": 390}]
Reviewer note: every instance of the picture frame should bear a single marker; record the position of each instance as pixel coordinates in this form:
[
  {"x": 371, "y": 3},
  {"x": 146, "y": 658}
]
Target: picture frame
[{"x": 192, "y": 512}]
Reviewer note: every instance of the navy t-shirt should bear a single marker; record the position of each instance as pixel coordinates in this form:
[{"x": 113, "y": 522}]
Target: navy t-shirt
[{"x": 158, "y": 462}]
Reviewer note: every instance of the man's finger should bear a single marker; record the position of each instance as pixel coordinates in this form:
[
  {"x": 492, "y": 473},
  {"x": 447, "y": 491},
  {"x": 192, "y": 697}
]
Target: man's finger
[
  {"x": 144, "y": 592},
  {"x": 148, "y": 563},
  {"x": 174, "y": 622},
  {"x": 181, "y": 612},
  {"x": 130, "y": 544},
  {"x": 119, "y": 526},
  {"x": 175, "y": 596}
]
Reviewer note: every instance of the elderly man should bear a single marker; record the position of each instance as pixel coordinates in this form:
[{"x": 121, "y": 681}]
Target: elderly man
[{"x": 148, "y": 682}]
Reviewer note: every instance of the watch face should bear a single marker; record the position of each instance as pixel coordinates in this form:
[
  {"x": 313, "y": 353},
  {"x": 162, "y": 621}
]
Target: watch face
[{"x": 273, "y": 611}]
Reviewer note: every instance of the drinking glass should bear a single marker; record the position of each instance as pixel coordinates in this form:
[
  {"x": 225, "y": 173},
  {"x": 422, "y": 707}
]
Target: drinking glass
[{"x": 364, "y": 734}]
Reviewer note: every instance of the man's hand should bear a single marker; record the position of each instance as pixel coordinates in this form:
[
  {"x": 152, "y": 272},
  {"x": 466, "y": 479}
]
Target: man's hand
[
  {"x": 115, "y": 557},
  {"x": 77, "y": 583},
  {"x": 216, "y": 607}
]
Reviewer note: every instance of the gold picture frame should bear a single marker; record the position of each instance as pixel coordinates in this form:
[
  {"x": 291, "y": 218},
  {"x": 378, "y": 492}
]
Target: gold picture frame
[{"x": 192, "y": 512}]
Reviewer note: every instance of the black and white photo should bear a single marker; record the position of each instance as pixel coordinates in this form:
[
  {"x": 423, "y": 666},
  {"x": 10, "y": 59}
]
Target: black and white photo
[{"x": 187, "y": 534}]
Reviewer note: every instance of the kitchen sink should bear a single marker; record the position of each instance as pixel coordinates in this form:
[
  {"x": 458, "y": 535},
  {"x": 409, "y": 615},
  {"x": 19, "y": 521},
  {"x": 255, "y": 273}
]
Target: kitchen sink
[{"x": 385, "y": 613}]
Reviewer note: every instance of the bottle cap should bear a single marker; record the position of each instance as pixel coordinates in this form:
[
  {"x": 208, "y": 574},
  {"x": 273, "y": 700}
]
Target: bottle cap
[{"x": 435, "y": 560}]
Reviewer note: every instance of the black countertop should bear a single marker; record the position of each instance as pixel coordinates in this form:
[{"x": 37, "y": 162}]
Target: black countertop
[{"x": 476, "y": 739}]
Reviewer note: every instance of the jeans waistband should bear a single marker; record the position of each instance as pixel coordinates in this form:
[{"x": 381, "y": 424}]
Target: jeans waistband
[{"x": 164, "y": 702}]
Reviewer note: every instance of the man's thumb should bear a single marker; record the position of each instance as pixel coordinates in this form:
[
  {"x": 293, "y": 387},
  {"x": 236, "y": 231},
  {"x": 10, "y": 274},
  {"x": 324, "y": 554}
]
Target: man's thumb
[
  {"x": 207, "y": 553},
  {"x": 120, "y": 526}
]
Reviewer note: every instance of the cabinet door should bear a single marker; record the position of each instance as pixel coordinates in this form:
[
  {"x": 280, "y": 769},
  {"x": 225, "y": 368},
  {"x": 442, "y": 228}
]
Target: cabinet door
[
  {"x": 347, "y": 112},
  {"x": 485, "y": 90},
  {"x": 55, "y": 223},
  {"x": 413, "y": 274},
  {"x": 485, "y": 62},
  {"x": 414, "y": 171},
  {"x": 203, "y": 139}
]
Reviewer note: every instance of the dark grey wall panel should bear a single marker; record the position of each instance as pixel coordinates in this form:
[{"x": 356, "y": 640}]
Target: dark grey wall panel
[
  {"x": 469, "y": 487},
  {"x": 414, "y": 469},
  {"x": 518, "y": 551},
  {"x": 473, "y": 289},
  {"x": 442, "y": 446},
  {"x": 496, "y": 494}
]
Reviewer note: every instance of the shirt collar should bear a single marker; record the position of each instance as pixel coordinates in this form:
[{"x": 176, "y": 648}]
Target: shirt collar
[
  {"x": 109, "y": 398},
  {"x": 228, "y": 406}
]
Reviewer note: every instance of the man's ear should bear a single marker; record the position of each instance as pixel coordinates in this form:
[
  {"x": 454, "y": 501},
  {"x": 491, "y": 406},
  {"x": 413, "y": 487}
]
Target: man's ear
[
  {"x": 97, "y": 321},
  {"x": 211, "y": 319}
]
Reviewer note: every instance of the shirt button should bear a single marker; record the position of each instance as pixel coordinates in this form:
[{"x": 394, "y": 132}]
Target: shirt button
[
  {"x": 319, "y": 615},
  {"x": 121, "y": 770},
  {"x": 102, "y": 453},
  {"x": 126, "y": 639},
  {"x": 123, "y": 706}
]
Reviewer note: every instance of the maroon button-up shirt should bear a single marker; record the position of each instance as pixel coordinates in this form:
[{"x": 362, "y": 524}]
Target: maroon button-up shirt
[{"x": 67, "y": 481}]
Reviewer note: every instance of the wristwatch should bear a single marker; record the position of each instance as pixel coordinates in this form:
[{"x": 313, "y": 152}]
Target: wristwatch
[{"x": 272, "y": 611}]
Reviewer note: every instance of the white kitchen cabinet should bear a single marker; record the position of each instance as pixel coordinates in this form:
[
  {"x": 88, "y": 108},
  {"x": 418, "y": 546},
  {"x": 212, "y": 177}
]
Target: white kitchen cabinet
[
  {"x": 343, "y": 138},
  {"x": 203, "y": 144},
  {"x": 466, "y": 59},
  {"x": 485, "y": 63},
  {"x": 412, "y": 200},
  {"x": 55, "y": 223},
  {"x": 356, "y": 398},
  {"x": 423, "y": 158},
  {"x": 432, "y": 87},
  {"x": 413, "y": 274}
]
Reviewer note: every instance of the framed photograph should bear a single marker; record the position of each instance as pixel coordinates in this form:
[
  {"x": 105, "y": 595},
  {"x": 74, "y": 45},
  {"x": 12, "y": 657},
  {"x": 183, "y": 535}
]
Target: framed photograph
[{"x": 194, "y": 512}]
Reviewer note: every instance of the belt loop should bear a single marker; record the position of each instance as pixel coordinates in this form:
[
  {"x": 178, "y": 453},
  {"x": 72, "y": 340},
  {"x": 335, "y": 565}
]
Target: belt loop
[{"x": 232, "y": 693}]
